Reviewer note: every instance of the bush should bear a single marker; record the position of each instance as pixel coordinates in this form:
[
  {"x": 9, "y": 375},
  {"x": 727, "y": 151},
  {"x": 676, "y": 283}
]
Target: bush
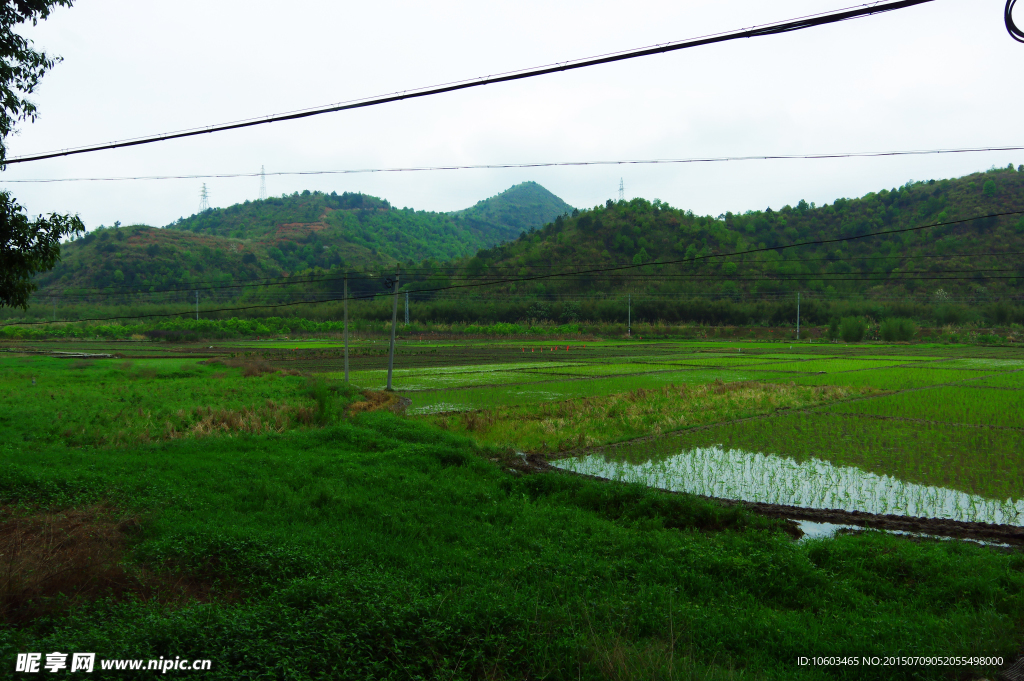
[
  {"x": 833, "y": 329},
  {"x": 852, "y": 329},
  {"x": 898, "y": 329}
]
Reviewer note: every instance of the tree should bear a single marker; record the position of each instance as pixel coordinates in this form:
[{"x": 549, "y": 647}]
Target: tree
[{"x": 26, "y": 247}]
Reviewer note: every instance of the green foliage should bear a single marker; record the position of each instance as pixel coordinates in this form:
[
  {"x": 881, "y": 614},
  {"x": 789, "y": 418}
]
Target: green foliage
[
  {"x": 297, "y": 234},
  {"x": 620, "y": 232},
  {"x": 379, "y": 548},
  {"x": 518, "y": 209},
  {"x": 898, "y": 329},
  {"x": 852, "y": 329},
  {"x": 833, "y": 329},
  {"x": 23, "y": 67},
  {"x": 989, "y": 188},
  {"x": 27, "y": 248},
  {"x": 326, "y": 400}
]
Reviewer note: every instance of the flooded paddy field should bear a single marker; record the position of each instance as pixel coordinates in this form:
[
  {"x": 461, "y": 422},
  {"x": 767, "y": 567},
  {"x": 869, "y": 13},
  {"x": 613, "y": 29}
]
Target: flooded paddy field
[
  {"x": 908, "y": 430},
  {"x": 939, "y": 434}
]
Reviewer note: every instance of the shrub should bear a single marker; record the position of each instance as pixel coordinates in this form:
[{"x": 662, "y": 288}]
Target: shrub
[
  {"x": 833, "y": 329},
  {"x": 898, "y": 329},
  {"x": 852, "y": 329}
]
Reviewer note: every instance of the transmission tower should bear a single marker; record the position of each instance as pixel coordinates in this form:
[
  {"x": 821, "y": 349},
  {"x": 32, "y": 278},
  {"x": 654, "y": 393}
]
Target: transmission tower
[
  {"x": 204, "y": 199},
  {"x": 622, "y": 191},
  {"x": 263, "y": 184}
]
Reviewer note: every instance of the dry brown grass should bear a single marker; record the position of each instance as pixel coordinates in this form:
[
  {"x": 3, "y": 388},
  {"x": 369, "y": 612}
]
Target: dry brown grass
[
  {"x": 52, "y": 561},
  {"x": 253, "y": 366},
  {"x": 375, "y": 400},
  {"x": 270, "y": 418}
]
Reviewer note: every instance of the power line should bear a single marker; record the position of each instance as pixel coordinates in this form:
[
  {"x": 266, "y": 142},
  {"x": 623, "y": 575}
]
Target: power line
[
  {"x": 810, "y": 21},
  {"x": 537, "y": 164},
  {"x": 569, "y": 276},
  {"x": 608, "y": 269},
  {"x": 297, "y": 280},
  {"x": 1011, "y": 27}
]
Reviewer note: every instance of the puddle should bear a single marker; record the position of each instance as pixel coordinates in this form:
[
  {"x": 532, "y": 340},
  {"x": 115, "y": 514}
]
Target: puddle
[
  {"x": 815, "y": 484},
  {"x": 815, "y": 530}
]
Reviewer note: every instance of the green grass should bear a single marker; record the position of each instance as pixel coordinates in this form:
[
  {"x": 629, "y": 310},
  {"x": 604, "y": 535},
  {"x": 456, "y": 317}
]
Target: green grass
[
  {"x": 107, "y": 401},
  {"x": 953, "y": 405},
  {"x": 380, "y": 548},
  {"x": 983, "y": 461},
  {"x": 599, "y": 420},
  {"x": 383, "y": 547}
]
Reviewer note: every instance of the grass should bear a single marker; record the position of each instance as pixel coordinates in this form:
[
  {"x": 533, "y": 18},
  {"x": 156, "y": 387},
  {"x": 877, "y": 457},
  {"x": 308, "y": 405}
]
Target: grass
[
  {"x": 46, "y": 401},
  {"x": 953, "y": 405},
  {"x": 387, "y": 549},
  {"x": 372, "y": 545},
  {"x": 601, "y": 419}
]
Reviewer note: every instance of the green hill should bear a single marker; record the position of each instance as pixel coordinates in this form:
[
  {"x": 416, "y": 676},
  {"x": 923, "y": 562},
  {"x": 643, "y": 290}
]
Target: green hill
[
  {"x": 930, "y": 262},
  {"x": 293, "y": 234},
  {"x": 515, "y": 210}
]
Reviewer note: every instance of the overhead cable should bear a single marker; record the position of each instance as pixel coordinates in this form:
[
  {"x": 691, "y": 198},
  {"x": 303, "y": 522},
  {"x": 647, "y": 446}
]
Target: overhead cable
[
  {"x": 1011, "y": 27},
  {"x": 537, "y": 164},
  {"x": 801, "y": 23}
]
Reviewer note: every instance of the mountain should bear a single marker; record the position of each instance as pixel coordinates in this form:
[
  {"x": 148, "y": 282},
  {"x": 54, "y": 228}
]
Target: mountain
[
  {"x": 292, "y": 234},
  {"x": 948, "y": 262},
  {"x": 514, "y": 211}
]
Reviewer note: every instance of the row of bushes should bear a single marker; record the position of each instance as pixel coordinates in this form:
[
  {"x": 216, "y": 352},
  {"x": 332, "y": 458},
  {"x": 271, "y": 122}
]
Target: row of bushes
[{"x": 854, "y": 329}]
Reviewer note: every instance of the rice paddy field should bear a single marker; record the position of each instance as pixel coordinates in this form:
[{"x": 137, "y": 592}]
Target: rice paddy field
[{"x": 548, "y": 510}]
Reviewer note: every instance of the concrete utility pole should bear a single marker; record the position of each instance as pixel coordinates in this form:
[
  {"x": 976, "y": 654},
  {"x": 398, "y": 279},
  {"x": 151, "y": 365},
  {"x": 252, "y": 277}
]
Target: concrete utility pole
[
  {"x": 629, "y": 314},
  {"x": 394, "y": 323},
  {"x": 798, "y": 315},
  {"x": 407, "y": 308},
  {"x": 197, "y": 305},
  {"x": 345, "y": 306}
]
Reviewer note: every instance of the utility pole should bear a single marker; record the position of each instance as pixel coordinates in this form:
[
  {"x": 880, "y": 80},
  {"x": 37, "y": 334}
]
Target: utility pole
[
  {"x": 345, "y": 305},
  {"x": 394, "y": 323},
  {"x": 197, "y": 305},
  {"x": 263, "y": 184},
  {"x": 798, "y": 315},
  {"x": 55, "y": 308},
  {"x": 629, "y": 314},
  {"x": 204, "y": 199},
  {"x": 407, "y": 308},
  {"x": 622, "y": 191}
]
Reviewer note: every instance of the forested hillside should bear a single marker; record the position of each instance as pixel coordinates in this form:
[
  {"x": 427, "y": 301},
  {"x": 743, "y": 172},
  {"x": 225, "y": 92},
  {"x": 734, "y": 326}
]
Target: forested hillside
[
  {"x": 969, "y": 271},
  {"x": 282, "y": 236},
  {"x": 961, "y": 260},
  {"x": 515, "y": 210}
]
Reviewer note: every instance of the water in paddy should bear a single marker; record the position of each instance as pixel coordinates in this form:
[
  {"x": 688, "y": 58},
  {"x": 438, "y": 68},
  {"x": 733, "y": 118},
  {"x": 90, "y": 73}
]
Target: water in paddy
[{"x": 715, "y": 471}]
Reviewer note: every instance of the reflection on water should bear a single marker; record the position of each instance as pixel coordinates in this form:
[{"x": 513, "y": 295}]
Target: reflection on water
[{"x": 766, "y": 478}]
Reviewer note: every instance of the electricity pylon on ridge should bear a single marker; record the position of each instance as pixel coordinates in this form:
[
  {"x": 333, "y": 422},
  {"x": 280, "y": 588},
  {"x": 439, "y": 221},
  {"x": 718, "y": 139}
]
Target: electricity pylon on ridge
[
  {"x": 622, "y": 191},
  {"x": 263, "y": 184},
  {"x": 204, "y": 199}
]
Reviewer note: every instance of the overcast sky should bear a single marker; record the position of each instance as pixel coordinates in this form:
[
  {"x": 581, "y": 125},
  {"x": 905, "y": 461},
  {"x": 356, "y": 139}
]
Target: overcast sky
[{"x": 936, "y": 76}]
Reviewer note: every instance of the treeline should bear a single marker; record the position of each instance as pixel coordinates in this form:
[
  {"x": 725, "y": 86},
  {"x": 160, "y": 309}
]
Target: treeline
[{"x": 494, "y": 317}]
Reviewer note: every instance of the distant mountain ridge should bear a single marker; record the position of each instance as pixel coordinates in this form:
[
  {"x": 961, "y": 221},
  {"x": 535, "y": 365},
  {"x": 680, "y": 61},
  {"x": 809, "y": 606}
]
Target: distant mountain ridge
[
  {"x": 946, "y": 263},
  {"x": 292, "y": 234}
]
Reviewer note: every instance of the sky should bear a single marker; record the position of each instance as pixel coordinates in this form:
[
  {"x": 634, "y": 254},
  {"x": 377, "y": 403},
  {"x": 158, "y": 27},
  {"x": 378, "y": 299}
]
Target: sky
[{"x": 941, "y": 75}]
